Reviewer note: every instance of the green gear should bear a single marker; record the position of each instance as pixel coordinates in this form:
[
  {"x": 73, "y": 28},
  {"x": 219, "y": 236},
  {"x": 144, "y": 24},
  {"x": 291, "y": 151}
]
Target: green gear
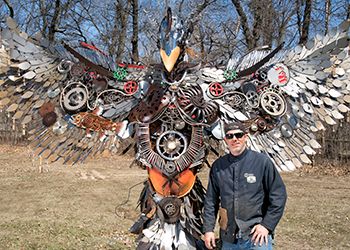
[
  {"x": 120, "y": 73},
  {"x": 230, "y": 75}
]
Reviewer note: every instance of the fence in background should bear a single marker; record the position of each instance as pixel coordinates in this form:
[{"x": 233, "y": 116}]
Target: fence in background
[{"x": 11, "y": 131}]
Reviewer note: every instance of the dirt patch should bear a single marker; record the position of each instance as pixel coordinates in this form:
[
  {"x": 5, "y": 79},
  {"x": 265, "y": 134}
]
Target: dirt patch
[{"x": 73, "y": 207}]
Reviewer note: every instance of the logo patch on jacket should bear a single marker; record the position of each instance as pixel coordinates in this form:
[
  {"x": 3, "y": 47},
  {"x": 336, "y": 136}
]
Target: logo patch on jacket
[{"x": 250, "y": 178}]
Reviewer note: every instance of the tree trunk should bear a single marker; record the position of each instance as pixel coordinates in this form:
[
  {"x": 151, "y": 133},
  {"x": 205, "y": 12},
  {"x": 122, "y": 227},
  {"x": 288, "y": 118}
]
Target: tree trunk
[
  {"x": 327, "y": 15},
  {"x": 135, "y": 30},
  {"x": 123, "y": 13},
  {"x": 245, "y": 26},
  {"x": 55, "y": 21},
  {"x": 257, "y": 24},
  {"x": 306, "y": 22},
  {"x": 43, "y": 13}
]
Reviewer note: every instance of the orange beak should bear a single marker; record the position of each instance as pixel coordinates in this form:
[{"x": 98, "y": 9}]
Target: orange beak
[{"x": 169, "y": 61}]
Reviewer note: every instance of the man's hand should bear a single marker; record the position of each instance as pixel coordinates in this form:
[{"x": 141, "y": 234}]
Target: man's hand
[
  {"x": 260, "y": 235},
  {"x": 209, "y": 240}
]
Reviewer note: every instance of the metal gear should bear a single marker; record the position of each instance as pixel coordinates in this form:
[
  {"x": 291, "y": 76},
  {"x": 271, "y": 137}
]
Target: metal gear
[
  {"x": 171, "y": 145},
  {"x": 74, "y": 97},
  {"x": 230, "y": 75},
  {"x": 171, "y": 209},
  {"x": 120, "y": 73},
  {"x": 253, "y": 98},
  {"x": 273, "y": 103}
]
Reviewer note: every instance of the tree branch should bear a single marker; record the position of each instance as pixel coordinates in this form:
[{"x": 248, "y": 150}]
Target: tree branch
[
  {"x": 12, "y": 14},
  {"x": 244, "y": 23},
  {"x": 306, "y": 22}
]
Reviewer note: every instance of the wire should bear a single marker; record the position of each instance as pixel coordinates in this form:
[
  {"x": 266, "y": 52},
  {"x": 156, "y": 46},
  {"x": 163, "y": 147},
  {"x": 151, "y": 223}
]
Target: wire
[{"x": 127, "y": 200}]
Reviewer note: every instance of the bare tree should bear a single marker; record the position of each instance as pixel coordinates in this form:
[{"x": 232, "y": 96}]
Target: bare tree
[{"x": 257, "y": 26}]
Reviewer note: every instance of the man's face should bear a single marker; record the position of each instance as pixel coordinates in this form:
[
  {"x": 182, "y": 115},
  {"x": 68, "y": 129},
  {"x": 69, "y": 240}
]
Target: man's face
[{"x": 236, "y": 141}]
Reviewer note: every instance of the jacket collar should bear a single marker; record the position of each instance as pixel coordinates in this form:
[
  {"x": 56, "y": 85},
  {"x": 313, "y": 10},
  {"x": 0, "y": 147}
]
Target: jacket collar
[{"x": 232, "y": 158}]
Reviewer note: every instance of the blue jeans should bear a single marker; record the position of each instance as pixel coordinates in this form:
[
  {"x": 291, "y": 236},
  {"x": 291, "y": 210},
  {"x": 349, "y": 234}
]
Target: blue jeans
[{"x": 241, "y": 244}]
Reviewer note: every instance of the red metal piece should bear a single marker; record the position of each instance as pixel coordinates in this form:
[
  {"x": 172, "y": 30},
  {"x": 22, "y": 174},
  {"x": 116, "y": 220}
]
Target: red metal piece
[
  {"x": 216, "y": 89},
  {"x": 92, "y": 47},
  {"x": 93, "y": 75},
  {"x": 130, "y": 87},
  {"x": 282, "y": 76},
  {"x": 132, "y": 66}
]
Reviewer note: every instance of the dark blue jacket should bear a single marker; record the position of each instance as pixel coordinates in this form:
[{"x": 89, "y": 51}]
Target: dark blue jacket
[{"x": 249, "y": 190}]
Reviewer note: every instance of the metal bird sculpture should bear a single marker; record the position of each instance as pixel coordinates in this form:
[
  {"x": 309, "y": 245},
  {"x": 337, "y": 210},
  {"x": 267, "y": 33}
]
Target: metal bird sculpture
[{"x": 77, "y": 103}]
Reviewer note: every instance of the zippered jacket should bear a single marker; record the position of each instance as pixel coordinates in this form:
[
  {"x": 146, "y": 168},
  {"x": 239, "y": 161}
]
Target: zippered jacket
[{"x": 248, "y": 190}]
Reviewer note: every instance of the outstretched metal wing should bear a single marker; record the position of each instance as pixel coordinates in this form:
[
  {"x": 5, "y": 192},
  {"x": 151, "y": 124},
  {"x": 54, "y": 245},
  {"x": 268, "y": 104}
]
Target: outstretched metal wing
[
  {"x": 284, "y": 97},
  {"x": 71, "y": 105}
]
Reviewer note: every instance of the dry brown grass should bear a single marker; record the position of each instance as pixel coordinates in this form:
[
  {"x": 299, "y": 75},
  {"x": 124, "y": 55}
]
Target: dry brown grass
[{"x": 72, "y": 207}]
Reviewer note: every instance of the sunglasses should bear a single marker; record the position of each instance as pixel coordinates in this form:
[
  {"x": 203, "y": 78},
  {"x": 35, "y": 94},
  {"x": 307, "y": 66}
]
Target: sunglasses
[{"x": 236, "y": 135}]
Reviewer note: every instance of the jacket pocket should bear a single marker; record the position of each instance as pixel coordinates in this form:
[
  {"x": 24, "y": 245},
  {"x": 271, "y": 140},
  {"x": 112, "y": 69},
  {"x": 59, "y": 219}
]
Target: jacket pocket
[{"x": 223, "y": 218}]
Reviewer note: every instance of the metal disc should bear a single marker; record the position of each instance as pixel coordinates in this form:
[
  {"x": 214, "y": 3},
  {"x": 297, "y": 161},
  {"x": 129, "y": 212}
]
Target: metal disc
[
  {"x": 316, "y": 101},
  {"x": 347, "y": 99},
  {"x": 308, "y": 150},
  {"x": 305, "y": 159},
  {"x": 60, "y": 127},
  {"x": 27, "y": 95},
  {"x": 5, "y": 101},
  {"x": 337, "y": 115},
  {"x": 328, "y": 101},
  {"x": 29, "y": 75},
  {"x": 337, "y": 83},
  {"x": 307, "y": 108},
  {"x": 53, "y": 93},
  {"x": 313, "y": 129},
  {"x": 335, "y": 94},
  {"x": 296, "y": 162},
  {"x": 290, "y": 165},
  {"x": 286, "y": 130},
  {"x": 322, "y": 89},
  {"x": 276, "y": 148},
  {"x": 18, "y": 115},
  {"x": 26, "y": 119},
  {"x": 314, "y": 144},
  {"x": 329, "y": 120},
  {"x": 342, "y": 108},
  {"x": 12, "y": 108},
  {"x": 38, "y": 104}
]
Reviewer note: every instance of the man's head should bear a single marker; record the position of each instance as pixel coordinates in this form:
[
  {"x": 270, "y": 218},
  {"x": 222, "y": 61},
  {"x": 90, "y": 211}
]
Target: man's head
[{"x": 235, "y": 138}]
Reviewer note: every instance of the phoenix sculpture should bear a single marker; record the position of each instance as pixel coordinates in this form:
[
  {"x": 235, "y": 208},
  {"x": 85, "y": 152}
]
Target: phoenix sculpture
[{"x": 78, "y": 102}]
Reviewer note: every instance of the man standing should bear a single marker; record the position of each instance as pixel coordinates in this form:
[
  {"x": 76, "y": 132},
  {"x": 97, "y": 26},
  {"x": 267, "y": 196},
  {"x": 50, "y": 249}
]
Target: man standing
[{"x": 250, "y": 193}]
